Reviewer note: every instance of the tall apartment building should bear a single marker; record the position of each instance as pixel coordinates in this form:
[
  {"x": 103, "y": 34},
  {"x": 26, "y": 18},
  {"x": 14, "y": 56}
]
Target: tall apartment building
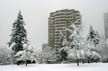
[
  {"x": 58, "y": 21},
  {"x": 106, "y": 24}
]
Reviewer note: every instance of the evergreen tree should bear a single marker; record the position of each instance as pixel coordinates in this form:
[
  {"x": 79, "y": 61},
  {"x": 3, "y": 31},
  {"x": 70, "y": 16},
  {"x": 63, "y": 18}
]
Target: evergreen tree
[
  {"x": 93, "y": 36},
  {"x": 19, "y": 34}
]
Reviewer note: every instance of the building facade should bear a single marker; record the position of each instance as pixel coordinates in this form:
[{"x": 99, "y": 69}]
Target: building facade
[
  {"x": 106, "y": 24},
  {"x": 58, "y": 21}
]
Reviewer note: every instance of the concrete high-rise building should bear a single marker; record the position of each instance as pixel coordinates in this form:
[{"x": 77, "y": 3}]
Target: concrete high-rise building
[
  {"x": 106, "y": 24},
  {"x": 58, "y": 21}
]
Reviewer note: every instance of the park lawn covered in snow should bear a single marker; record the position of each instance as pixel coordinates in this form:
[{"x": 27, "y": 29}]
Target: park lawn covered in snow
[{"x": 56, "y": 67}]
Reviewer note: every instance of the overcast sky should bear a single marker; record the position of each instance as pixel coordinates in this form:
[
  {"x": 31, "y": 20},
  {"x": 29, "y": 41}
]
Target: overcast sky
[{"x": 36, "y": 13}]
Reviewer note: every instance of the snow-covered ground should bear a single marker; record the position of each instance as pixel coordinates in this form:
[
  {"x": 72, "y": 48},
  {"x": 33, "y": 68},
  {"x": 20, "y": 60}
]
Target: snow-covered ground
[{"x": 56, "y": 67}]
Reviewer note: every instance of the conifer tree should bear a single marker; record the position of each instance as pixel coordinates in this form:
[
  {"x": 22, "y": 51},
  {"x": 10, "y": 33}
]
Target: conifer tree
[
  {"x": 93, "y": 36},
  {"x": 19, "y": 34}
]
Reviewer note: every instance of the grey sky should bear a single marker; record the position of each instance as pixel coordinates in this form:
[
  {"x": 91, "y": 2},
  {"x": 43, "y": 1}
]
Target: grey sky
[{"x": 36, "y": 13}]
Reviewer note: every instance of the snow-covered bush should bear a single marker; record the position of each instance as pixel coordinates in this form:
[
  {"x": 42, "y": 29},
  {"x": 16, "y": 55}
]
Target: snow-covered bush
[
  {"x": 5, "y": 55},
  {"x": 74, "y": 55},
  {"x": 26, "y": 56},
  {"x": 63, "y": 53},
  {"x": 95, "y": 57},
  {"x": 91, "y": 52},
  {"x": 92, "y": 56},
  {"x": 48, "y": 56},
  {"x": 103, "y": 46},
  {"x": 84, "y": 56}
]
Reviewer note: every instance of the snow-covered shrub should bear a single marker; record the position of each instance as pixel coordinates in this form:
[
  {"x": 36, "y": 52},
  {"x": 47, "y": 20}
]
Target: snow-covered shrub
[
  {"x": 92, "y": 53},
  {"x": 103, "y": 45},
  {"x": 48, "y": 56},
  {"x": 63, "y": 53},
  {"x": 26, "y": 56},
  {"x": 5, "y": 55},
  {"x": 92, "y": 56},
  {"x": 95, "y": 57}
]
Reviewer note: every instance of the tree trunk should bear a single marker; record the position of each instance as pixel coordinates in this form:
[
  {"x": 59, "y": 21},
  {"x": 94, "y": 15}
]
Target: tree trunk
[
  {"x": 26, "y": 62},
  {"x": 77, "y": 62}
]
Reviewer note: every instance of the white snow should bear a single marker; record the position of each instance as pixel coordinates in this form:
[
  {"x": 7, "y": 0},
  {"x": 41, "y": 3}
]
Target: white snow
[{"x": 56, "y": 67}]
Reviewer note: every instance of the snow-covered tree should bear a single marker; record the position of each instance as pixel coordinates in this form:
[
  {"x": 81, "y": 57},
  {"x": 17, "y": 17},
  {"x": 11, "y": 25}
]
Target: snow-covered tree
[
  {"x": 26, "y": 56},
  {"x": 77, "y": 48},
  {"x": 93, "y": 36},
  {"x": 19, "y": 34},
  {"x": 71, "y": 41},
  {"x": 76, "y": 41}
]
